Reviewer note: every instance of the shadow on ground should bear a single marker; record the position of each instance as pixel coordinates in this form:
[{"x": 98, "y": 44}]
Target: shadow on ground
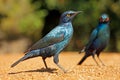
[{"x": 49, "y": 70}]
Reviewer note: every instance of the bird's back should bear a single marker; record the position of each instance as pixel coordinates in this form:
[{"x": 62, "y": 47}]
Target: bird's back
[{"x": 65, "y": 30}]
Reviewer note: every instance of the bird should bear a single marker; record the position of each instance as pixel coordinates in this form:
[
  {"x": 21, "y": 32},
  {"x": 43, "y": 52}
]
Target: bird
[
  {"x": 53, "y": 42},
  {"x": 99, "y": 39}
]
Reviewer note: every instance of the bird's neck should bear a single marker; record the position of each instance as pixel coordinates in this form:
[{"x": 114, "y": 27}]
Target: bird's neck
[
  {"x": 103, "y": 23},
  {"x": 65, "y": 23}
]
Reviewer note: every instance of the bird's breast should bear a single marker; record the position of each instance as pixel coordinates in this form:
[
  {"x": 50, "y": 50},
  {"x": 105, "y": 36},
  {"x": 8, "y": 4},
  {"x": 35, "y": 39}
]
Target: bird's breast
[{"x": 68, "y": 32}]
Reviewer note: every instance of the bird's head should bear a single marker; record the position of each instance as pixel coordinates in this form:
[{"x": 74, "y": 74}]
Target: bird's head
[
  {"x": 104, "y": 18},
  {"x": 68, "y": 16}
]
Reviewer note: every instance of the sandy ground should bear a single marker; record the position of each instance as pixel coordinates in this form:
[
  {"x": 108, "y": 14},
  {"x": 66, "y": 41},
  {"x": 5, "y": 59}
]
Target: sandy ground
[{"x": 33, "y": 69}]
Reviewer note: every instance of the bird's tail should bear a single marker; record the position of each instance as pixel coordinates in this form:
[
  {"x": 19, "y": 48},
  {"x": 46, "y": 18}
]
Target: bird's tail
[
  {"x": 82, "y": 60},
  {"x": 22, "y": 59},
  {"x": 31, "y": 54},
  {"x": 27, "y": 56}
]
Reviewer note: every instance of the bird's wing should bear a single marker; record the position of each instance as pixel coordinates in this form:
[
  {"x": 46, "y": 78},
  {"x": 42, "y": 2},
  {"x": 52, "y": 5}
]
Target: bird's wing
[
  {"x": 93, "y": 36},
  {"x": 54, "y": 36}
]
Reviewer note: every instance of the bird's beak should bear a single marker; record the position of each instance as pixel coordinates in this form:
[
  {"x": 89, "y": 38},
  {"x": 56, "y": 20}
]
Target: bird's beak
[
  {"x": 75, "y": 13},
  {"x": 78, "y": 12}
]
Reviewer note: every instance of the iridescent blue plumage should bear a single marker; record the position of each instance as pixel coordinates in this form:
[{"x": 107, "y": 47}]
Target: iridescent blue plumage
[
  {"x": 54, "y": 42},
  {"x": 98, "y": 40}
]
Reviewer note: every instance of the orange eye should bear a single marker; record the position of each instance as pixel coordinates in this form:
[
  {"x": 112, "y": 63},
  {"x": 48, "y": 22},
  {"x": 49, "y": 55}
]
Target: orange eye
[
  {"x": 107, "y": 19},
  {"x": 68, "y": 15}
]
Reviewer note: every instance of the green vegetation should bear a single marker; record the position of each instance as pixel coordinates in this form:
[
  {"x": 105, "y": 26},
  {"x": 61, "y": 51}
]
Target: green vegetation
[{"x": 29, "y": 18}]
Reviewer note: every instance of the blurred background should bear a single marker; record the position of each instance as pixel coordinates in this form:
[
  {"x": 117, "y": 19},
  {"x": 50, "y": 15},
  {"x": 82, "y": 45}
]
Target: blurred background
[{"x": 23, "y": 22}]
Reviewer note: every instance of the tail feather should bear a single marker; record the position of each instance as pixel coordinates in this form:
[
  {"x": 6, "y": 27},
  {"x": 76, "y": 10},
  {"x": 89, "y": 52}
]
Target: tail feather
[
  {"x": 31, "y": 54},
  {"x": 82, "y": 60},
  {"x": 22, "y": 59}
]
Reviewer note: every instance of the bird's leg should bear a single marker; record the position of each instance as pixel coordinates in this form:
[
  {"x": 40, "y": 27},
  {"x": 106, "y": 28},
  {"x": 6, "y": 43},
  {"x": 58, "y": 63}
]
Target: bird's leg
[
  {"x": 56, "y": 62},
  {"x": 61, "y": 68},
  {"x": 93, "y": 55},
  {"x": 100, "y": 61},
  {"x": 95, "y": 60},
  {"x": 44, "y": 62}
]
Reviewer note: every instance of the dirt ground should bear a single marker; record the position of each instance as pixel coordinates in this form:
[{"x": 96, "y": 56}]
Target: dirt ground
[{"x": 33, "y": 69}]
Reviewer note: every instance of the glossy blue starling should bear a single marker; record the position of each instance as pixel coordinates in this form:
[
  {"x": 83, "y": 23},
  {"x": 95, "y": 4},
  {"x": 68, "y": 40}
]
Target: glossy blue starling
[
  {"x": 98, "y": 40},
  {"x": 54, "y": 42}
]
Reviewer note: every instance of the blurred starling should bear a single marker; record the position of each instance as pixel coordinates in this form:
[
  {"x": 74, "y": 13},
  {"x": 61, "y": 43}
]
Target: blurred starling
[{"x": 98, "y": 40}]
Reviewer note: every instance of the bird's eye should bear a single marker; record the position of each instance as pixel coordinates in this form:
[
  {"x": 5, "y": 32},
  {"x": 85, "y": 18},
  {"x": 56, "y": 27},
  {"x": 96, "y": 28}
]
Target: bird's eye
[
  {"x": 68, "y": 15},
  {"x": 107, "y": 19}
]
